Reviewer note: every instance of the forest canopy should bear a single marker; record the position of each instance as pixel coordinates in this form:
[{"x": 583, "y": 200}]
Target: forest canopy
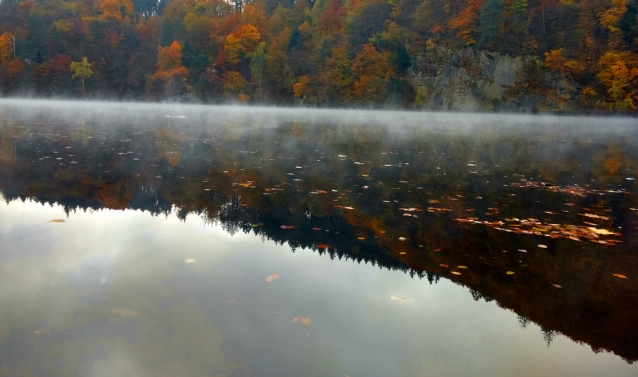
[{"x": 316, "y": 52}]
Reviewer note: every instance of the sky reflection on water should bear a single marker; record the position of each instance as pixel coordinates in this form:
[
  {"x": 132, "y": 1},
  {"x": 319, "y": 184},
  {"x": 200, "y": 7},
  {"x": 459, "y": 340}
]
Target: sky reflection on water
[{"x": 356, "y": 330}]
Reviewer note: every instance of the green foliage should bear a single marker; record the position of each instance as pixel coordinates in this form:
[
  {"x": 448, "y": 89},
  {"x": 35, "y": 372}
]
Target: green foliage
[{"x": 490, "y": 23}]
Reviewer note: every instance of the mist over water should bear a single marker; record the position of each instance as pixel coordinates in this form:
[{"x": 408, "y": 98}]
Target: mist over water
[{"x": 169, "y": 239}]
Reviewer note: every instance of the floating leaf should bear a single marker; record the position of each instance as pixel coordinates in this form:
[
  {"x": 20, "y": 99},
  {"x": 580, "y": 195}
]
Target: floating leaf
[
  {"x": 456, "y": 273},
  {"x": 189, "y": 261},
  {"x": 592, "y": 216},
  {"x": 444, "y": 265},
  {"x": 57, "y": 221},
  {"x": 462, "y": 267},
  {"x": 400, "y": 299},
  {"x": 303, "y": 320},
  {"x": 125, "y": 312},
  {"x": 620, "y": 276},
  {"x": 542, "y": 246},
  {"x": 556, "y": 286},
  {"x": 510, "y": 272},
  {"x": 603, "y": 232},
  {"x": 402, "y": 238},
  {"x": 322, "y": 246},
  {"x": 271, "y": 278}
]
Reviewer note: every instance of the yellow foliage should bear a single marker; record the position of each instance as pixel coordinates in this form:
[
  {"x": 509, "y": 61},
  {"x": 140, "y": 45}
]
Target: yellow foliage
[
  {"x": 555, "y": 61},
  {"x": 610, "y": 18},
  {"x": 242, "y": 41},
  {"x": 6, "y": 47},
  {"x": 63, "y": 26},
  {"x": 619, "y": 73}
]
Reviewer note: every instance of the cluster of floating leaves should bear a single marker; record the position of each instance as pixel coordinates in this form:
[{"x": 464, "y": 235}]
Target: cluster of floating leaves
[
  {"x": 571, "y": 190},
  {"x": 535, "y": 227}
]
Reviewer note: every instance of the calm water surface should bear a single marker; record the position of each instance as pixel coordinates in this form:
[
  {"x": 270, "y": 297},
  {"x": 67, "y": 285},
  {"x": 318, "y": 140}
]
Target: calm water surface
[{"x": 169, "y": 240}]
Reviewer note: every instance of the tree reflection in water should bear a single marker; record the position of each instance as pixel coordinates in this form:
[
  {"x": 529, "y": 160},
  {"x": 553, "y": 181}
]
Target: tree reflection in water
[{"x": 533, "y": 199}]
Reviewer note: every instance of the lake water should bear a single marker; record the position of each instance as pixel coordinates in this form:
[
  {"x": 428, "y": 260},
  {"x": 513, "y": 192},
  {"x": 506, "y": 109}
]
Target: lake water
[{"x": 165, "y": 240}]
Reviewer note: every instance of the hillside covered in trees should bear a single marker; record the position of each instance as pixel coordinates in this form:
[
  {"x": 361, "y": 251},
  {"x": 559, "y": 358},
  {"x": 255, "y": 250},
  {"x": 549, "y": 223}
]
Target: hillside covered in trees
[{"x": 521, "y": 55}]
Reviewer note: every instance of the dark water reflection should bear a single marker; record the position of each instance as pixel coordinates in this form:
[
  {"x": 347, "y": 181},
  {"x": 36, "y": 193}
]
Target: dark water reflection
[{"x": 481, "y": 226}]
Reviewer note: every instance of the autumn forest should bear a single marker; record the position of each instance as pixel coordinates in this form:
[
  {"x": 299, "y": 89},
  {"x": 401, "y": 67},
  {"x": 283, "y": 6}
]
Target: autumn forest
[{"x": 576, "y": 55}]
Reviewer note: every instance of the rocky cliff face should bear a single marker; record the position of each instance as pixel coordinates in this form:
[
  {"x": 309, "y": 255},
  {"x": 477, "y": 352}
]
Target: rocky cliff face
[{"x": 469, "y": 79}]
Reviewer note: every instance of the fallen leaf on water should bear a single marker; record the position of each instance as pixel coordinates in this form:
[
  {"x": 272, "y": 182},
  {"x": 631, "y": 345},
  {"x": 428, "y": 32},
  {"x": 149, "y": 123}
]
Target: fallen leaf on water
[
  {"x": 57, "y": 221},
  {"x": 437, "y": 250},
  {"x": 510, "y": 272},
  {"x": 603, "y": 232},
  {"x": 556, "y": 286},
  {"x": 522, "y": 250},
  {"x": 542, "y": 246},
  {"x": 322, "y": 246},
  {"x": 443, "y": 265},
  {"x": 125, "y": 312},
  {"x": 272, "y": 278},
  {"x": 189, "y": 261},
  {"x": 592, "y": 216},
  {"x": 400, "y": 299},
  {"x": 462, "y": 267},
  {"x": 402, "y": 238},
  {"x": 361, "y": 238},
  {"x": 303, "y": 320},
  {"x": 456, "y": 273},
  {"x": 620, "y": 276},
  {"x": 402, "y": 252}
]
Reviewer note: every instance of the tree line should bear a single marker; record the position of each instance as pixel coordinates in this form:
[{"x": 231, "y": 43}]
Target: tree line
[{"x": 321, "y": 52}]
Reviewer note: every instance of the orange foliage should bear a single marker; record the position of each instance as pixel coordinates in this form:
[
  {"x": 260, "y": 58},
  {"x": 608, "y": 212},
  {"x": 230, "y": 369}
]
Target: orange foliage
[
  {"x": 147, "y": 31},
  {"x": 302, "y": 87},
  {"x": 14, "y": 68},
  {"x": 369, "y": 62},
  {"x": 112, "y": 9},
  {"x": 466, "y": 22},
  {"x": 374, "y": 71},
  {"x": 6, "y": 47},
  {"x": 169, "y": 58},
  {"x": 554, "y": 60},
  {"x": 332, "y": 19},
  {"x": 234, "y": 81},
  {"x": 242, "y": 41}
]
